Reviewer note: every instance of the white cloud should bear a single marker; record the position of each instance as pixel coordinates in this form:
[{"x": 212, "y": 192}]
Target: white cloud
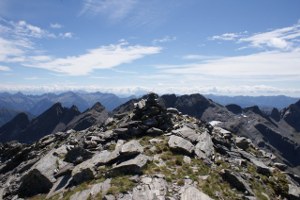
[
  {"x": 103, "y": 57},
  {"x": 253, "y": 90},
  {"x": 66, "y": 35},
  {"x": 285, "y": 38},
  {"x": 259, "y": 64},
  {"x": 10, "y": 50},
  {"x": 164, "y": 39},
  {"x": 282, "y": 38},
  {"x": 56, "y": 26},
  {"x": 4, "y": 68},
  {"x": 114, "y": 9},
  {"x": 199, "y": 57},
  {"x": 18, "y": 40},
  {"x": 226, "y": 36}
]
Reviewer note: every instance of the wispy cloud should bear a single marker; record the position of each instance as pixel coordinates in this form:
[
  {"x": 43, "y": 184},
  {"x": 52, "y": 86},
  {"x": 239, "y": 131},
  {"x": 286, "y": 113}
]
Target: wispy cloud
[
  {"x": 199, "y": 57},
  {"x": 18, "y": 40},
  {"x": 4, "y": 68},
  {"x": 266, "y": 63},
  {"x": 56, "y": 26},
  {"x": 66, "y": 35},
  {"x": 164, "y": 39},
  {"x": 114, "y": 9},
  {"x": 104, "y": 57},
  {"x": 286, "y": 38},
  {"x": 226, "y": 36}
]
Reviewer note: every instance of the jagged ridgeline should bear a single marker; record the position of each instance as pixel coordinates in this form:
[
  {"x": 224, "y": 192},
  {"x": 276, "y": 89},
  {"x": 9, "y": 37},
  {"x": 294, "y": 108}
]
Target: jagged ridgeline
[{"x": 145, "y": 152}]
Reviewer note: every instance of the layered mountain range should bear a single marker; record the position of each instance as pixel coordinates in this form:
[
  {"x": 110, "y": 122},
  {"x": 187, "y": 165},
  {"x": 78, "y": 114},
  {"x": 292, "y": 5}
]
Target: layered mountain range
[
  {"x": 180, "y": 147},
  {"x": 34, "y": 105}
]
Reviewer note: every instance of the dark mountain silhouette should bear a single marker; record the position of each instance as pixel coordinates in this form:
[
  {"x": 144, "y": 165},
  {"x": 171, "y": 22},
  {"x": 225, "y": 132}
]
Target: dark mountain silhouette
[
  {"x": 11, "y": 130},
  {"x": 52, "y": 120},
  {"x": 96, "y": 115},
  {"x": 236, "y": 109},
  {"x": 7, "y": 115},
  {"x": 291, "y": 115}
]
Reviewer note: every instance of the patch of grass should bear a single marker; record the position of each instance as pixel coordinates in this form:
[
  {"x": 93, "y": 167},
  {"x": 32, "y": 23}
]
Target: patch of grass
[
  {"x": 215, "y": 187},
  {"x": 120, "y": 184},
  {"x": 180, "y": 182},
  {"x": 111, "y": 147}
]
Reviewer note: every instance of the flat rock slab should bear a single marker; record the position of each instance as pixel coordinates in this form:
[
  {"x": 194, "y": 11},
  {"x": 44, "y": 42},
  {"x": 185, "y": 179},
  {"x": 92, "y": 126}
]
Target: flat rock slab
[
  {"x": 205, "y": 146},
  {"x": 132, "y": 147},
  {"x": 188, "y": 134},
  {"x": 132, "y": 166},
  {"x": 180, "y": 144}
]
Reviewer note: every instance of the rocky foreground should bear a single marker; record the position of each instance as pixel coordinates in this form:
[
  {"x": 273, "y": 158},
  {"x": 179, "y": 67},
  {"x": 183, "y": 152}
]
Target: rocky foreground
[{"x": 146, "y": 153}]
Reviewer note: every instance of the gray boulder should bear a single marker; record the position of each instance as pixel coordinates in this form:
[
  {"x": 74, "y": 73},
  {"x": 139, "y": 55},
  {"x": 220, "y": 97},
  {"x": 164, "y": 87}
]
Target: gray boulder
[
  {"x": 78, "y": 155},
  {"x": 154, "y": 131},
  {"x": 34, "y": 183},
  {"x": 294, "y": 192},
  {"x": 262, "y": 168},
  {"x": 205, "y": 146},
  {"x": 243, "y": 142},
  {"x": 180, "y": 144},
  {"x": 188, "y": 134},
  {"x": 236, "y": 181},
  {"x": 41, "y": 175},
  {"x": 192, "y": 193},
  {"x": 132, "y": 147},
  {"x": 281, "y": 166},
  {"x": 132, "y": 166}
]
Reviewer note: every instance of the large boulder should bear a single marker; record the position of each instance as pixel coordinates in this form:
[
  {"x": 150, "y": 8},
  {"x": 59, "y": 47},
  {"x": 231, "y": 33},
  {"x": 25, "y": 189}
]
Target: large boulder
[
  {"x": 243, "y": 142},
  {"x": 34, "y": 183},
  {"x": 236, "y": 181},
  {"x": 78, "y": 155},
  {"x": 205, "y": 146},
  {"x": 179, "y": 144},
  {"x": 192, "y": 193},
  {"x": 132, "y": 166},
  {"x": 188, "y": 134},
  {"x": 41, "y": 175},
  {"x": 132, "y": 147},
  {"x": 294, "y": 192}
]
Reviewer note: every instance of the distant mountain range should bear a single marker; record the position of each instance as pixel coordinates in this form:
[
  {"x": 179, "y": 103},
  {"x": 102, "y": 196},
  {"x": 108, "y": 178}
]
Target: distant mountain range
[
  {"x": 279, "y": 102},
  {"x": 34, "y": 105},
  {"x": 56, "y": 118}
]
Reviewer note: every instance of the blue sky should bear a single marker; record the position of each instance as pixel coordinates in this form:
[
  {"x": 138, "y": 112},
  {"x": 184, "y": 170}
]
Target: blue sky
[{"x": 223, "y": 47}]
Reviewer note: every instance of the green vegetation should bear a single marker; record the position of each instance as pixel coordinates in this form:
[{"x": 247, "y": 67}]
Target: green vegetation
[{"x": 121, "y": 184}]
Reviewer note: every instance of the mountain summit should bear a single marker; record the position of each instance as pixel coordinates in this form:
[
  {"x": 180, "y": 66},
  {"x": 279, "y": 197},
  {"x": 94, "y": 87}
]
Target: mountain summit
[{"x": 147, "y": 152}]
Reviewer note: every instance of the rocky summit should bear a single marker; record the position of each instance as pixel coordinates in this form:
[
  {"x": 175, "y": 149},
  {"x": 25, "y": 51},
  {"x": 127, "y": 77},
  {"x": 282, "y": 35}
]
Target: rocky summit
[{"x": 146, "y": 152}]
